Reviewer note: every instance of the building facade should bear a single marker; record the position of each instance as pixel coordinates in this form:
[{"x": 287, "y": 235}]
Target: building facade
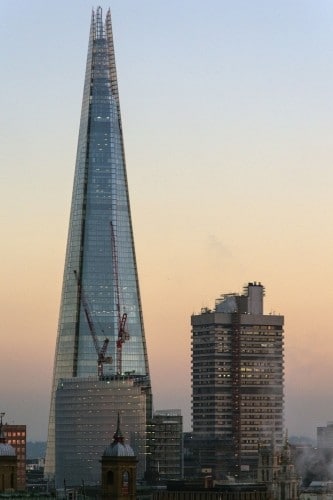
[
  {"x": 16, "y": 436},
  {"x": 276, "y": 469},
  {"x": 199, "y": 490},
  {"x": 237, "y": 383},
  {"x": 85, "y": 410},
  {"x": 325, "y": 436},
  {"x": 166, "y": 446},
  {"x": 100, "y": 333},
  {"x": 8, "y": 464}
]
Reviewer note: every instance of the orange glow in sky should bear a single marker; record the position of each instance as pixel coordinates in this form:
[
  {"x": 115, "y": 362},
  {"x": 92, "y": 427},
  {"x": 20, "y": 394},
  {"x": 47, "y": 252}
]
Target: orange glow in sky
[{"x": 227, "y": 111}]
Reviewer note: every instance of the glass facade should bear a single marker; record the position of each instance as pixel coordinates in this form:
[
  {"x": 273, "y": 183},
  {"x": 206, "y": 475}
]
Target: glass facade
[
  {"x": 86, "y": 411},
  {"x": 100, "y": 284}
]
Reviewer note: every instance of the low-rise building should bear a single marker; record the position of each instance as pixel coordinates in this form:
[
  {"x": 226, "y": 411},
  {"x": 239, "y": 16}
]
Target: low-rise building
[{"x": 16, "y": 436}]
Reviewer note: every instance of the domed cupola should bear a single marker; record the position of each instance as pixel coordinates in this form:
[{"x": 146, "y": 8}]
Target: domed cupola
[
  {"x": 8, "y": 463},
  {"x": 6, "y": 450},
  {"x": 117, "y": 448},
  {"x": 119, "y": 469}
]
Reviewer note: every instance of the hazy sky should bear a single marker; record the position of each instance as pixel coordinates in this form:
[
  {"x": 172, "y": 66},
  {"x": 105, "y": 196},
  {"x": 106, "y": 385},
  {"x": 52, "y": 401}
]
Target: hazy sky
[{"x": 227, "y": 109}]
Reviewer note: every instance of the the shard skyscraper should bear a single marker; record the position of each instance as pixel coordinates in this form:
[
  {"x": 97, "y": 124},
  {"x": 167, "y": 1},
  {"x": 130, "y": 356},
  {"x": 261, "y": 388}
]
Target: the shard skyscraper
[{"x": 101, "y": 365}]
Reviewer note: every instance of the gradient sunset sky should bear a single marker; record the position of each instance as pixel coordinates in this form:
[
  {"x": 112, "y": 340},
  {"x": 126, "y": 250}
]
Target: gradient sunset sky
[{"x": 227, "y": 108}]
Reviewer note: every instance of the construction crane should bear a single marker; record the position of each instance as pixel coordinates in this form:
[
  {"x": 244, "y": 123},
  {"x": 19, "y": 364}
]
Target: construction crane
[
  {"x": 101, "y": 351},
  {"x": 123, "y": 335}
]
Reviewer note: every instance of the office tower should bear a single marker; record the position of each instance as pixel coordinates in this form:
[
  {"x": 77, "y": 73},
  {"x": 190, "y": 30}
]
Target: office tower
[
  {"x": 86, "y": 408},
  {"x": 237, "y": 382},
  {"x": 16, "y": 436},
  {"x": 325, "y": 436},
  {"x": 100, "y": 333},
  {"x": 166, "y": 445}
]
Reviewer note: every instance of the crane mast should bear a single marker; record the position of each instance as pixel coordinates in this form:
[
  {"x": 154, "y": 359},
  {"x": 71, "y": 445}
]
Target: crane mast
[
  {"x": 121, "y": 318},
  {"x": 101, "y": 351}
]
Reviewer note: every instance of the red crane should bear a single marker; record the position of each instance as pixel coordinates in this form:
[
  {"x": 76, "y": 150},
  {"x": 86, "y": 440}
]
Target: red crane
[
  {"x": 121, "y": 318},
  {"x": 101, "y": 351}
]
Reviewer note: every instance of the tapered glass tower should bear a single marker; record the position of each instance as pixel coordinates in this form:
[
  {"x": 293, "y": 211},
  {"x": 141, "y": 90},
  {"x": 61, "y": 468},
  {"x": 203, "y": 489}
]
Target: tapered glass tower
[{"x": 100, "y": 334}]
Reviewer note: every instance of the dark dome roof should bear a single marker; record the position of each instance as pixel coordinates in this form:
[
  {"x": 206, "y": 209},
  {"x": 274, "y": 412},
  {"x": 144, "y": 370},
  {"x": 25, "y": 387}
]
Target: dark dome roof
[
  {"x": 6, "y": 450},
  {"x": 118, "y": 450}
]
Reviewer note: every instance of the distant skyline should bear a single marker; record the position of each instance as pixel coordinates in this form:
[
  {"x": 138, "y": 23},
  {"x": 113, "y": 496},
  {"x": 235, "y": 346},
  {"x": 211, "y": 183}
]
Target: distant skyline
[{"x": 227, "y": 111}]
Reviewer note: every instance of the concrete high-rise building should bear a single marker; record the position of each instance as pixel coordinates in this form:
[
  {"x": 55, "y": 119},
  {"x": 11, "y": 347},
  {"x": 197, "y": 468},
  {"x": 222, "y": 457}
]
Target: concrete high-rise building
[
  {"x": 100, "y": 334},
  {"x": 237, "y": 382}
]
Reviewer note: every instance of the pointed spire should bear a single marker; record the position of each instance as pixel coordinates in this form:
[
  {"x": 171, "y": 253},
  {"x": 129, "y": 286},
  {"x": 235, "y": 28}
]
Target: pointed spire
[
  {"x": 99, "y": 33},
  {"x": 112, "y": 60},
  {"x": 118, "y": 437},
  {"x": 117, "y": 448}
]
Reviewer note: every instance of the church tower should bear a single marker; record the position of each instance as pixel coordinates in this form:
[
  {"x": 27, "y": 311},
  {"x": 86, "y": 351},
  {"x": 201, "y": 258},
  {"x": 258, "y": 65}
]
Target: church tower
[
  {"x": 8, "y": 463},
  {"x": 118, "y": 469}
]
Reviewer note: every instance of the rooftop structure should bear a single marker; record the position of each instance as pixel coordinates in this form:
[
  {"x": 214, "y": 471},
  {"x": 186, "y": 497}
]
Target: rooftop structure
[
  {"x": 118, "y": 448},
  {"x": 119, "y": 466}
]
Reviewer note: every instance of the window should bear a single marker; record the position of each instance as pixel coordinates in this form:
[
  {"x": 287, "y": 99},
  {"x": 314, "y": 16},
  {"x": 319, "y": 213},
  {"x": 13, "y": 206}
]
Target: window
[{"x": 109, "y": 477}]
